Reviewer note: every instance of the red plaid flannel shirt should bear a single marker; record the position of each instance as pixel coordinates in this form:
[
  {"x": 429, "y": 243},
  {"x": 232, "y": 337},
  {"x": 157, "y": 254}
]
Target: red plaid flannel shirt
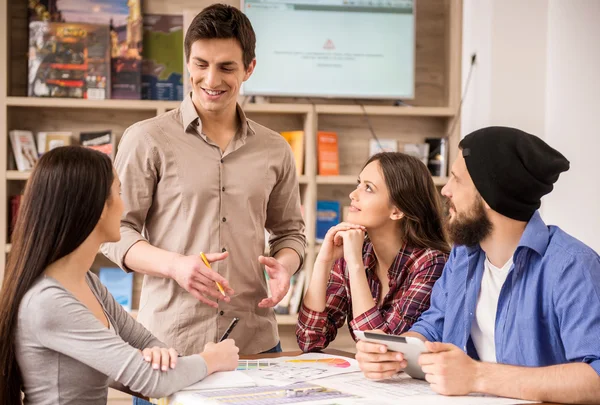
[{"x": 411, "y": 278}]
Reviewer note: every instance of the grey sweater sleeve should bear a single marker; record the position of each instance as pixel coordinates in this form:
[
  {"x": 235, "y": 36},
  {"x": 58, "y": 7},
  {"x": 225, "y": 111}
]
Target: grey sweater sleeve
[
  {"x": 129, "y": 329},
  {"x": 63, "y": 324}
]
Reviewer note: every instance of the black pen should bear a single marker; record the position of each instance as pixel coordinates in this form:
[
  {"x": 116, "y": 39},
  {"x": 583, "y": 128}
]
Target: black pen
[{"x": 229, "y": 329}]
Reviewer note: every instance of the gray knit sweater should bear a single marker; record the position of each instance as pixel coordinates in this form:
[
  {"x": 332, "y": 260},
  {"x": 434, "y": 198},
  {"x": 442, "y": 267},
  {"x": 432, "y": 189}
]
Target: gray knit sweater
[{"x": 67, "y": 356}]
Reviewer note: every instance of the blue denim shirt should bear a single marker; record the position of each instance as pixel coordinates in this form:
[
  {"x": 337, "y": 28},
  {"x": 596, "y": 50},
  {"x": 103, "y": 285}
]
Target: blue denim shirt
[{"x": 548, "y": 309}]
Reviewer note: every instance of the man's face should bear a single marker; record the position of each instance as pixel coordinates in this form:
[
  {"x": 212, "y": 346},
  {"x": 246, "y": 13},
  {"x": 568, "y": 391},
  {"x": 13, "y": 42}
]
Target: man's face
[
  {"x": 217, "y": 72},
  {"x": 467, "y": 223}
]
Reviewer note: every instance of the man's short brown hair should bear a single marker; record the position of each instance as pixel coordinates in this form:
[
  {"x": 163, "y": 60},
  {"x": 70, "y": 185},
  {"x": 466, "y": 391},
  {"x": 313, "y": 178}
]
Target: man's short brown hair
[{"x": 221, "y": 21}]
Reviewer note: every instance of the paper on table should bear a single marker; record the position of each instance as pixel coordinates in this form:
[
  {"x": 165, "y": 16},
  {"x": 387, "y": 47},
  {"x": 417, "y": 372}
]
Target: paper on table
[
  {"x": 223, "y": 379},
  {"x": 306, "y": 367},
  {"x": 410, "y": 390}
]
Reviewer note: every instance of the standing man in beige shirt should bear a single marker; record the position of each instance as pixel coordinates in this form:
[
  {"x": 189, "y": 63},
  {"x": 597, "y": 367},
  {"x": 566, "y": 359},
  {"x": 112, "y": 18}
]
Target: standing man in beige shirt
[{"x": 204, "y": 178}]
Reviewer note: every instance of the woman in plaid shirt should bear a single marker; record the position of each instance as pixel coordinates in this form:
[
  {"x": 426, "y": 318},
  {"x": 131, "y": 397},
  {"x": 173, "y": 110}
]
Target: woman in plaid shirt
[{"x": 377, "y": 271}]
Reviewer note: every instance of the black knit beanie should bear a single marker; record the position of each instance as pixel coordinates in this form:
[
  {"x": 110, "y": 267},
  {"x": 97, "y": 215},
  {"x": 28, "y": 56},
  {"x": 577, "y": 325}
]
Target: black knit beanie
[{"x": 511, "y": 169}]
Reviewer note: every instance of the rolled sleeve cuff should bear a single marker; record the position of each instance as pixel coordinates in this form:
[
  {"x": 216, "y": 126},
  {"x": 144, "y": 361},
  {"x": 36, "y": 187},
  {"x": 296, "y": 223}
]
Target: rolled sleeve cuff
[
  {"x": 117, "y": 251},
  {"x": 370, "y": 320},
  {"x": 295, "y": 245},
  {"x": 423, "y": 331},
  {"x": 595, "y": 363},
  {"x": 312, "y": 320}
]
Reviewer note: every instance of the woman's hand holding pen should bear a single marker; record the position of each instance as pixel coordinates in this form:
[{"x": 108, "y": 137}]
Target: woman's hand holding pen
[
  {"x": 222, "y": 356},
  {"x": 333, "y": 244},
  {"x": 195, "y": 277}
]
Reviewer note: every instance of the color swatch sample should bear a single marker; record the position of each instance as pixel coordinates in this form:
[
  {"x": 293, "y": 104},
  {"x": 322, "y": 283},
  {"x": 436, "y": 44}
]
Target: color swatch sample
[
  {"x": 245, "y": 365},
  {"x": 333, "y": 362}
]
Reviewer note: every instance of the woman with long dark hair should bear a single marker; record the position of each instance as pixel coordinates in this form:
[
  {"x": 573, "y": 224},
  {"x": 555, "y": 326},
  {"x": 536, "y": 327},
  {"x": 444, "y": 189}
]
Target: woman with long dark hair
[
  {"x": 377, "y": 270},
  {"x": 63, "y": 335}
]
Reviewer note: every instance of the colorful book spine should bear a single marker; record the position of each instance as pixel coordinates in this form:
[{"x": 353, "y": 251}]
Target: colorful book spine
[
  {"x": 296, "y": 141},
  {"x": 328, "y": 215},
  {"x": 328, "y": 159}
]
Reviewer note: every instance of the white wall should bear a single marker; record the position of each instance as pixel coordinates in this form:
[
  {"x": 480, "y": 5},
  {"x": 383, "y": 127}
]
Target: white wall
[
  {"x": 538, "y": 69},
  {"x": 573, "y": 116}
]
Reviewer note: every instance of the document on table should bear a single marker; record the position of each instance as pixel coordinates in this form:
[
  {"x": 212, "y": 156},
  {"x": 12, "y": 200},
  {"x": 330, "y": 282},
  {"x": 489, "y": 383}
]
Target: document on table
[
  {"x": 303, "y": 368},
  {"x": 408, "y": 389}
]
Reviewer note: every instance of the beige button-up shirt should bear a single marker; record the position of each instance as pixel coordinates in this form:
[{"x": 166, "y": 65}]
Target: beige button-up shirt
[{"x": 183, "y": 194}]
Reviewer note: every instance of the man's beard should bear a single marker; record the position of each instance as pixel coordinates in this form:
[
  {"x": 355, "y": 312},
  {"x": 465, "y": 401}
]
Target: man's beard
[{"x": 468, "y": 229}]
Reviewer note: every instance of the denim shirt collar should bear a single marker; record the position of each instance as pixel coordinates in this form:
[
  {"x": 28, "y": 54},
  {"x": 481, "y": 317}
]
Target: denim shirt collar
[{"x": 536, "y": 237}]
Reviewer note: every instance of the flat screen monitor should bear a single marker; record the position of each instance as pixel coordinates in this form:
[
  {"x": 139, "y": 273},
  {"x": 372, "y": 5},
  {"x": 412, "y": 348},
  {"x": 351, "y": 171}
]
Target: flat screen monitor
[{"x": 333, "y": 48}]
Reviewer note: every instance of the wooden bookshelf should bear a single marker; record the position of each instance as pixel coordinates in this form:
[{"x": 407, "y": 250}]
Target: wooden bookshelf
[
  {"x": 402, "y": 111},
  {"x": 432, "y": 112}
]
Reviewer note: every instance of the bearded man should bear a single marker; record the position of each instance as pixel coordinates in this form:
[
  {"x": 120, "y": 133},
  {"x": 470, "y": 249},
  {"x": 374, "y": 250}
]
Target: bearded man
[{"x": 516, "y": 312}]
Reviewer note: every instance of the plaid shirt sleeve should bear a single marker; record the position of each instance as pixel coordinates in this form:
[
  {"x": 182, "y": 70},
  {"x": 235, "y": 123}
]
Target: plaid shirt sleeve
[
  {"x": 315, "y": 330},
  {"x": 408, "y": 303}
]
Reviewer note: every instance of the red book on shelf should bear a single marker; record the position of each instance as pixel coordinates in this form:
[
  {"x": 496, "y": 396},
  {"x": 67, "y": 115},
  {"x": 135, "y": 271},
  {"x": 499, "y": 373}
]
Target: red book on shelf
[{"x": 328, "y": 160}]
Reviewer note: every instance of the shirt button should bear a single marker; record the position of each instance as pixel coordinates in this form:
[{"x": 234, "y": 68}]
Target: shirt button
[
  {"x": 221, "y": 313},
  {"x": 221, "y": 160},
  {"x": 223, "y": 189},
  {"x": 223, "y": 250},
  {"x": 224, "y": 219}
]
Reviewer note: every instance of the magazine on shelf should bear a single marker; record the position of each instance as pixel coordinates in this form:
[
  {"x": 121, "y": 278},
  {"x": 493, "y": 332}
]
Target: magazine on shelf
[
  {"x": 24, "y": 149},
  {"x": 102, "y": 141}
]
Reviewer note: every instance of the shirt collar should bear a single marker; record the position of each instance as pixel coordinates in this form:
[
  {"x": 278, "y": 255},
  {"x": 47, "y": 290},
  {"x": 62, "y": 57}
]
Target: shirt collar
[
  {"x": 370, "y": 259},
  {"x": 535, "y": 237},
  {"x": 189, "y": 118}
]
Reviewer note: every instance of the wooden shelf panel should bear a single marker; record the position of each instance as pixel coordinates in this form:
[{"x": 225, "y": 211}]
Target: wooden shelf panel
[
  {"x": 17, "y": 175},
  {"x": 351, "y": 180},
  {"x": 48, "y": 102},
  {"x": 386, "y": 110},
  {"x": 273, "y": 108}
]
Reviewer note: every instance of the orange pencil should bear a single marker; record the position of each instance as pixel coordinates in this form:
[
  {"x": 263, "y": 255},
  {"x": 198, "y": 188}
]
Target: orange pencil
[{"x": 205, "y": 260}]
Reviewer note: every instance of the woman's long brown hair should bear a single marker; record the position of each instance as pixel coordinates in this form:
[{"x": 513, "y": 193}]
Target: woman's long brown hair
[
  {"x": 412, "y": 190},
  {"x": 62, "y": 204}
]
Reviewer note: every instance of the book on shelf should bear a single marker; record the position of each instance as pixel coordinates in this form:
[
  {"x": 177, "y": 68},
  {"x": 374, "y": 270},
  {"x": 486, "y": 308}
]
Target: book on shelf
[
  {"x": 382, "y": 145},
  {"x": 418, "y": 150},
  {"x": 437, "y": 162},
  {"x": 123, "y": 21},
  {"x": 43, "y": 136},
  {"x": 296, "y": 141},
  {"x": 290, "y": 303},
  {"x": 102, "y": 141},
  {"x": 162, "y": 62},
  {"x": 328, "y": 215},
  {"x": 58, "y": 139},
  {"x": 328, "y": 159},
  {"x": 120, "y": 285},
  {"x": 68, "y": 60},
  {"x": 24, "y": 149}
]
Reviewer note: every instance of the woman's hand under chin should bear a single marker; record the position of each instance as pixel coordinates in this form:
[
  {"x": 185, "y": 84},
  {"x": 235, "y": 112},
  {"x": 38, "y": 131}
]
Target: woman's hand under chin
[
  {"x": 333, "y": 245},
  {"x": 353, "y": 240}
]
